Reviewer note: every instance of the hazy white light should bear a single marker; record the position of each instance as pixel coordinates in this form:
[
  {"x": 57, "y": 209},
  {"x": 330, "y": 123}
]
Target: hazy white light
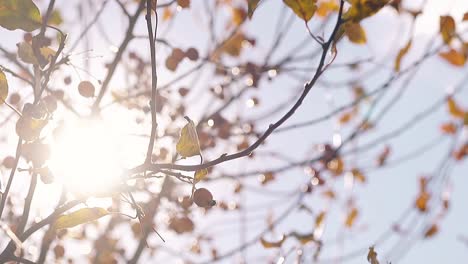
[
  {"x": 85, "y": 157},
  {"x": 337, "y": 140},
  {"x": 210, "y": 122},
  {"x": 272, "y": 73},
  {"x": 235, "y": 71}
]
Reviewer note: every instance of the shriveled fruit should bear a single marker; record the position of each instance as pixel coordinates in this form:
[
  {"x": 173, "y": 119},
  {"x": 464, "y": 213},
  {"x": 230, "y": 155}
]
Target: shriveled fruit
[
  {"x": 181, "y": 224},
  {"x": 178, "y": 54},
  {"x": 192, "y": 54},
  {"x": 171, "y": 63},
  {"x": 8, "y": 162},
  {"x": 185, "y": 202},
  {"x": 203, "y": 198},
  {"x": 86, "y": 89}
]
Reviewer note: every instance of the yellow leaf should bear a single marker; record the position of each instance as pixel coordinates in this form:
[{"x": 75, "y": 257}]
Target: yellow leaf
[
  {"x": 454, "y": 109},
  {"x": 447, "y": 28},
  {"x": 358, "y": 175},
  {"x": 319, "y": 219},
  {"x": 252, "y": 5},
  {"x": 272, "y": 244},
  {"x": 303, "y": 238},
  {"x": 79, "y": 217},
  {"x": 19, "y": 14},
  {"x": 188, "y": 144},
  {"x": 3, "y": 87},
  {"x": 304, "y": 9},
  {"x": 372, "y": 256},
  {"x": 454, "y": 57},
  {"x": 403, "y": 51},
  {"x": 55, "y": 18},
  {"x": 326, "y": 8},
  {"x": 361, "y": 9},
  {"x": 238, "y": 15},
  {"x": 431, "y": 231},
  {"x": 351, "y": 217},
  {"x": 355, "y": 33},
  {"x": 233, "y": 46},
  {"x": 26, "y": 53},
  {"x": 200, "y": 174}
]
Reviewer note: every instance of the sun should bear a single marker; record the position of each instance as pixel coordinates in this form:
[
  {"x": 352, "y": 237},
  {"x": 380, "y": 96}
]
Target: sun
[{"x": 86, "y": 156}]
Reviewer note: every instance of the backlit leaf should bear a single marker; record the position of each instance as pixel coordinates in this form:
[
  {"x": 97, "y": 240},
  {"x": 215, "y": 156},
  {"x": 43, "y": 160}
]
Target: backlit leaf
[
  {"x": 304, "y": 9},
  {"x": 79, "y": 217},
  {"x": 19, "y": 14},
  {"x": 454, "y": 57},
  {"x": 403, "y": 51},
  {"x": 252, "y": 5},
  {"x": 326, "y": 8},
  {"x": 200, "y": 174},
  {"x": 361, "y": 9},
  {"x": 454, "y": 109},
  {"x": 351, "y": 217},
  {"x": 355, "y": 33},
  {"x": 447, "y": 28},
  {"x": 431, "y": 231},
  {"x": 3, "y": 87},
  {"x": 26, "y": 53},
  {"x": 188, "y": 144},
  {"x": 272, "y": 244},
  {"x": 372, "y": 256},
  {"x": 421, "y": 201},
  {"x": 55, "y": 18},
  {"x": 449, "y": 128}
]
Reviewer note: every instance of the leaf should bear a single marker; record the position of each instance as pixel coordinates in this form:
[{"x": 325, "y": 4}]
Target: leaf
[
  {"x": 454, "y": 57},
  {"x": 304, "y": 9},
  {"x": 188, "y": 144},
  {"x": 272, "y": 244},
  {"x": 358, "y": 175},
  {"x": 200, "y": 175},
  {"x": 454, "y": 109},
  {"x": 303, "y": 238},
  {"x": 26, "y": 53},
  {"x": 361, "y": 9},
  {"x": 372, "y": 256},
  {"x": 421, "y": 201},
  {"x": 29, "y": 128},
  {"x": 326, "y": 8},
  {"x": 55, "y": 18},
  {"x": 355, "y": 33},
  {"x": 403, "y": 51},
  {"x": 447, "y": 28},
  {"x": 3, "y": 87},
  {"x": 19, "y": 14},
  {"x": 319, "y": 219},
  {"x": 252, "y": 5},
  {"x": 79, "y": 217},
  {"x": 351, "y": 217},
  {"x": 233, "y": 46},
  {"x": 238, "y": 15},
  {"x": 431, "y": 231},
  {"x": 449, "y": 128}
]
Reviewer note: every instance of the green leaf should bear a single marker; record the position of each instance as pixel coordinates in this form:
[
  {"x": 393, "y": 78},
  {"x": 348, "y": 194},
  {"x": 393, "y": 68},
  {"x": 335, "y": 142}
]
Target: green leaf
[
  {"x": 79, "y": 217},
  {"x": 19, "y": 14},
  {"x": 3, "y": 87},
  {"x": 304, "y": 9}
]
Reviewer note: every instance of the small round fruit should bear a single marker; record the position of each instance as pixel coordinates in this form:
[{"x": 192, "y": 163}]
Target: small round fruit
[
  {"x": 183, "y": 91},
  {"x": 171, "y": 63},
  {"x": 15, "y": 98},
  {"x": 178, "y": 54},
  {"x": 185, "y": 202},
  {"x": 203, "y": 198},
  {"x": 9, "y": 162},
  {"x": 192, "y": 54},
  {"x": 86, "y": 89}
]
